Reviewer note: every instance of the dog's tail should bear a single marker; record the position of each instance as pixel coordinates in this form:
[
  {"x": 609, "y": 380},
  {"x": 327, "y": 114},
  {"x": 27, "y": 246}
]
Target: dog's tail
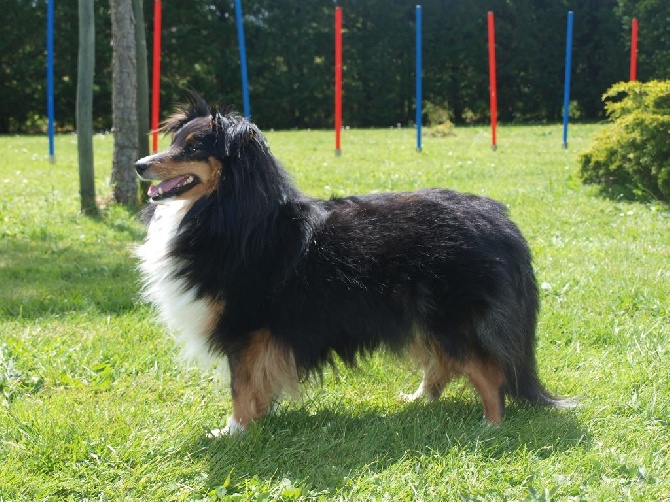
[
  {"x": 524, "y": 383},
  {"x": 509, "y": 333},
  {"x": 516, "y": 358}
]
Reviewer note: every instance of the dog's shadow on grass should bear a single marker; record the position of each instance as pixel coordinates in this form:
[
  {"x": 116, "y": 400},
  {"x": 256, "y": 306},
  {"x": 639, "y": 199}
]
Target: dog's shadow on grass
[{"x": 324, "y": 448}]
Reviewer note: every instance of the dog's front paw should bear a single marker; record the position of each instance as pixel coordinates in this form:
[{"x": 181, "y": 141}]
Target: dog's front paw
[
  {"x": 410, "y": 398},
  {"x": 232, "y": 428}
]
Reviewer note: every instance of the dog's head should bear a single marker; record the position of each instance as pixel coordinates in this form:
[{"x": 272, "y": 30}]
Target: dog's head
[{"x": 195, "y": 163}]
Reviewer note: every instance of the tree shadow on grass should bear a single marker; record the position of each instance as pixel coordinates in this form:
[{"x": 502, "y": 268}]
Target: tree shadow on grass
[
  {"x": 325, "y": 448},
  {"x": 47, "y": 273}
]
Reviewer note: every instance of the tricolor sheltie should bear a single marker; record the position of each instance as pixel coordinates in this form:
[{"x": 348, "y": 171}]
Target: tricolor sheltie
[{"x": 240, "y": 263}]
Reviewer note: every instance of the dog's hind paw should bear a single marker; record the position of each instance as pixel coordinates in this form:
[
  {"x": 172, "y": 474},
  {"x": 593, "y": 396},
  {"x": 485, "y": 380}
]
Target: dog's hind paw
[{"x": 232, "y": 428}]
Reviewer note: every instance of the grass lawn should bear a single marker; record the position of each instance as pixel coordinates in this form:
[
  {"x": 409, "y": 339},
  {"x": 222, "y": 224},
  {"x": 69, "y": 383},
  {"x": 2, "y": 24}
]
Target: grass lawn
[{"x": 96, "y": 404}]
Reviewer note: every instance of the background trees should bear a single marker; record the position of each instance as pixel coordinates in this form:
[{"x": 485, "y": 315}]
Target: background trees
[{"x": 290, "y": 50}]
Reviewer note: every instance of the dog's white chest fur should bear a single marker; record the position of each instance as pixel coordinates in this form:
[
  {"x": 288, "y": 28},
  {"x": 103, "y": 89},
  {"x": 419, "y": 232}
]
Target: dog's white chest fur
[{"x": 190, "y": 318}]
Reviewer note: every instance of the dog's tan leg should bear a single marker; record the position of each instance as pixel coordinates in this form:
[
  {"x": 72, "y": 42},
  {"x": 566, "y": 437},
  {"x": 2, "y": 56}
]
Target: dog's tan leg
[
  {"x": 259, "y": 375},
  {"x": 488, "y": 379},
  {"x": 438, "y": 369}
]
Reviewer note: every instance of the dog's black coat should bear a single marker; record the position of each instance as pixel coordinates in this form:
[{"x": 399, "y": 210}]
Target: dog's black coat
[{"x": 347, "y": 275}]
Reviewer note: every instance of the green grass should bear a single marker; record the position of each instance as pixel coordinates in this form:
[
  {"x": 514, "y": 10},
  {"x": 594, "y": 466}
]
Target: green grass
[{"x": 96, "y": 404}]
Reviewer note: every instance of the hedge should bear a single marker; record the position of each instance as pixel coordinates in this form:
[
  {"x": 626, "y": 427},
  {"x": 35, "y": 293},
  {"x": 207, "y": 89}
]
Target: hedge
[{"x": 633, "y": 151}]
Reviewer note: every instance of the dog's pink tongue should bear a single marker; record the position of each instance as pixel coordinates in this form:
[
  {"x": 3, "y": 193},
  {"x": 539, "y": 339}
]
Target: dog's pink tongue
[{"x": 165, "y": 186}]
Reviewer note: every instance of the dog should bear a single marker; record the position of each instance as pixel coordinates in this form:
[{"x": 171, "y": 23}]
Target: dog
[{"x": 242, "y": 264}]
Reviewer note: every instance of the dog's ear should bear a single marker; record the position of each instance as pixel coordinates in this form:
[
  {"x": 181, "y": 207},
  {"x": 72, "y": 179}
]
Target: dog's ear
[
  {"x": 195, "y": 107},
  {"x": 236, "y": 132},
  {"x": 244, "y": 135},
  {"x": 217, "y": 121}
]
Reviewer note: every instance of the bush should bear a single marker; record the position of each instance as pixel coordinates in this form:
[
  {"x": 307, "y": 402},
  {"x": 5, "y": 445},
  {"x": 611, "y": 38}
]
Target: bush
[
  {"x": 634, "y": 150},
  {"x": 438, "y": 118}
]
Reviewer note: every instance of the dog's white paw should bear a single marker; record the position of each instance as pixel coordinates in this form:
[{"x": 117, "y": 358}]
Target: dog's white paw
[
  {"x": 232, "y": 428},
  {"x": 409, "y": 398}
]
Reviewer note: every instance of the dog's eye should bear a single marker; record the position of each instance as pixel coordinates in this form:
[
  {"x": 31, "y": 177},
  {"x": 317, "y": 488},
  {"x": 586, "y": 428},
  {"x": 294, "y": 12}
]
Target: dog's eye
[{"x": 191, "y": 148}]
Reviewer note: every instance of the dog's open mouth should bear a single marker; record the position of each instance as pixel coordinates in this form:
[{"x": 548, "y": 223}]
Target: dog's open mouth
[{"x": 172, "y": 187}]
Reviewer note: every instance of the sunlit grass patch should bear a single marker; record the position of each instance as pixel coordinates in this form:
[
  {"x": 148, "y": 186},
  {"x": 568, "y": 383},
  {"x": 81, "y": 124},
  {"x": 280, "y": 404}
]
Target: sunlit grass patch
[{"x": 95, "y": 402}]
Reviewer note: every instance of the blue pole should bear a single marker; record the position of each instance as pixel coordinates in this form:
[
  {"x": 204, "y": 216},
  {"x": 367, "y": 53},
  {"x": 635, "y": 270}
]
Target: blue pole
[
  {"x": 566, "y": 89},
  {"x": 243, "y": 57},
  {"x": 50, "y": 79},
  {"x": 419, "y": 65}
]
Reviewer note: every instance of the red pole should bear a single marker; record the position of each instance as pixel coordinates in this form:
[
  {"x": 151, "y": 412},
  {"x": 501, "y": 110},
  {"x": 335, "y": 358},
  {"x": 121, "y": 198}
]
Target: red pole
[
  {"x": 338, "y": 79},
  {"x": 633, "y": 52},
  {"x": 156, "y": 87},
  {"x": 492, "y": 80}
]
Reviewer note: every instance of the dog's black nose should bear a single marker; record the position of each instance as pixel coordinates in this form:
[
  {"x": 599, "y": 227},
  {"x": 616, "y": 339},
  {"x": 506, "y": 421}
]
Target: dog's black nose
[{"x": 141, "y": 166}]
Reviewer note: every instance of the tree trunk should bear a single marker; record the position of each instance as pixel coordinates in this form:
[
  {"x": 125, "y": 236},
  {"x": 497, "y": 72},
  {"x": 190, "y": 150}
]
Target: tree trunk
[
  {"x": 85, "y": 70},
  {"x": 124, "y": 102},
  {"x": 142, "y": 89}
]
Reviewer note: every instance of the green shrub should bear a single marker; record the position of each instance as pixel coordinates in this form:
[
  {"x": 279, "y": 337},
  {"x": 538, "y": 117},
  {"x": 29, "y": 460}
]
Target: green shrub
[
  {"x": 634, "y": 150},
  {"x": 438, "y": 118}
]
